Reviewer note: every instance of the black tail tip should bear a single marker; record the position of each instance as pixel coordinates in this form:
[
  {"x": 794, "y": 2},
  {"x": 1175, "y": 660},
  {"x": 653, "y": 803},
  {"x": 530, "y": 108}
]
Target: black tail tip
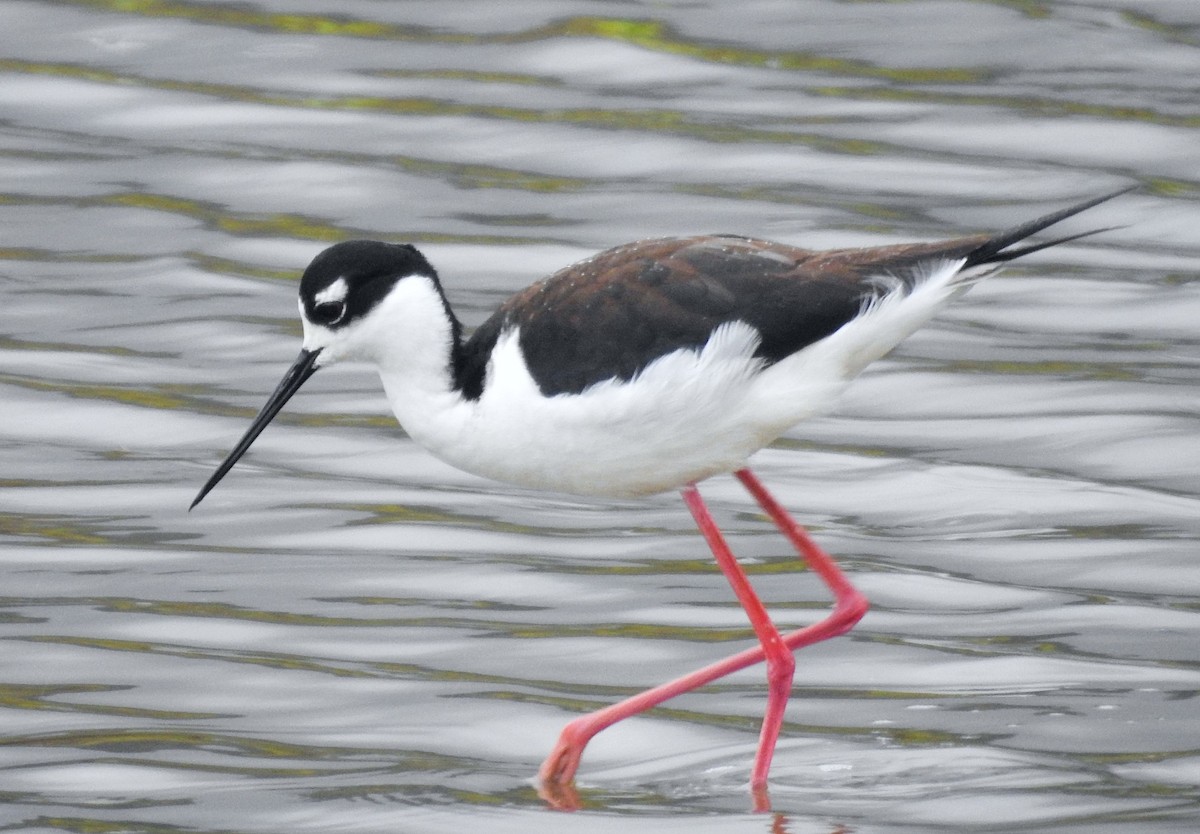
[{"x": 996, "y": 249}]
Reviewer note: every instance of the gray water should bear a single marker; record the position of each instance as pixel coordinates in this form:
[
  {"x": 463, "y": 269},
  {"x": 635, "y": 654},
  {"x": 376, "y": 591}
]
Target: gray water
[{"x": 351, "y": 636}]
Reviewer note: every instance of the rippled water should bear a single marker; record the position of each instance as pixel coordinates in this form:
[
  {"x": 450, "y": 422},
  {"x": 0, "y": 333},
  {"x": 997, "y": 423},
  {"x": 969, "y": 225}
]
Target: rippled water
[{"x": 351, "y": 636}]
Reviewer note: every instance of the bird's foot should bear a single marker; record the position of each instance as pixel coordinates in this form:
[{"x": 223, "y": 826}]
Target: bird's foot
[
  {"x": 556, "y": 776},
  {"x": 760, "y": 797}
]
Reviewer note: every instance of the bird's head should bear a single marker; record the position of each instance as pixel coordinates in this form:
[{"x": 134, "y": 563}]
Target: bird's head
[{"x": 358, "y": 300}]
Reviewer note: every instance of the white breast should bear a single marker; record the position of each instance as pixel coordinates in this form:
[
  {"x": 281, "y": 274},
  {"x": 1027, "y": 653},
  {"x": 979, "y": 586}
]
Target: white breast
[{"x": 688, "y": 415}]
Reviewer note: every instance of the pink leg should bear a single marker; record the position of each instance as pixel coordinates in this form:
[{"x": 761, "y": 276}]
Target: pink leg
[
  {"x": 850, "y": 605},
  {"x": 780, "y": 663}
]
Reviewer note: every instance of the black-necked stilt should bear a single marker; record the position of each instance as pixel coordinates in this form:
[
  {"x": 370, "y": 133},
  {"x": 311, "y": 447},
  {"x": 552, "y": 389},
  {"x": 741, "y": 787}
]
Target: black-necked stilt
[{"x": 647, "y": 367}]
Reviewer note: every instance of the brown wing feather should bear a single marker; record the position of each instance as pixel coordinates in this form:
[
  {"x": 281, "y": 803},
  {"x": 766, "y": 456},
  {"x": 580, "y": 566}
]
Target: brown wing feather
[
  {"x": 616, "y": 312},
  {"x": 613, "y": 314}
]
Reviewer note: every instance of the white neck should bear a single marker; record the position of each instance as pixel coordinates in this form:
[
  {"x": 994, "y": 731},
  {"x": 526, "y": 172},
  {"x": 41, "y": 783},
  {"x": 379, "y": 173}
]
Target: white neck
[{"x": 410, "y": 338}]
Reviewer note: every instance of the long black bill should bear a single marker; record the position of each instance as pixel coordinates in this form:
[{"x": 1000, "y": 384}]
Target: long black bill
[{"x": 301, "y": 370}]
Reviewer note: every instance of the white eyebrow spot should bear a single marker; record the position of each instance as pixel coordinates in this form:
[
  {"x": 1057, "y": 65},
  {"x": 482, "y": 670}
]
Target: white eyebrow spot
[{"x": 333, "y": 293}]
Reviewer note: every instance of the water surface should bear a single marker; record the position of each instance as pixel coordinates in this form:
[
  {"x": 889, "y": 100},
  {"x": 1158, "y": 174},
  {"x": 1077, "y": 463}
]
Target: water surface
[{"x": 351, "y": 636}]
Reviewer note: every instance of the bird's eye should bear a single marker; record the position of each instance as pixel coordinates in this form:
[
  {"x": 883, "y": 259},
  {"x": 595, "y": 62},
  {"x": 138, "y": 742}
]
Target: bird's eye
[{"x": 328, "y": 312}]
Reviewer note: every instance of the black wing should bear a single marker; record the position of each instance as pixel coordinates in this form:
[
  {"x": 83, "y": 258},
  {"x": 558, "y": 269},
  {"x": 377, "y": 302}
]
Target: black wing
[{"x": 613, "y": 314}]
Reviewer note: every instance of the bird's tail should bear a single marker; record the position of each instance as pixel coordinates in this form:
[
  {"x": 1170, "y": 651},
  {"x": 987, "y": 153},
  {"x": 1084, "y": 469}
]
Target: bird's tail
[{"x": 995, "y": 250}]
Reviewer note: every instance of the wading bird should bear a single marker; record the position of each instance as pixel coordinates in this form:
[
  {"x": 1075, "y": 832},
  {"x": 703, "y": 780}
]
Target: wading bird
[{"x": 644, "y": 368}]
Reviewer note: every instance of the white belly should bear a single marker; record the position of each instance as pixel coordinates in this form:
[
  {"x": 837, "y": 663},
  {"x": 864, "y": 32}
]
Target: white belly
[{"x": 688, "y": 415}]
